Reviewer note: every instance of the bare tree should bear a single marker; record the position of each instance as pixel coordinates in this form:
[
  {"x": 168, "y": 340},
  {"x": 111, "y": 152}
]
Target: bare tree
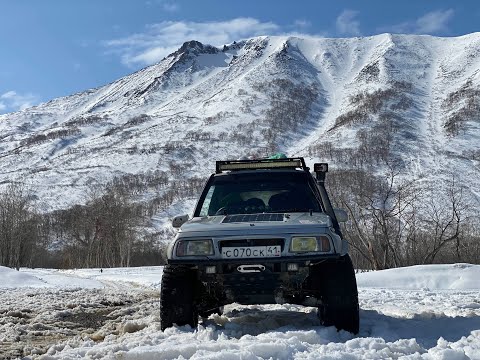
[
  {"x": 443, "y": 220},
  {"x": 18, "y": 227},
  {"x": 382, "y": 211},
  {"x": 102, "y": 232}
]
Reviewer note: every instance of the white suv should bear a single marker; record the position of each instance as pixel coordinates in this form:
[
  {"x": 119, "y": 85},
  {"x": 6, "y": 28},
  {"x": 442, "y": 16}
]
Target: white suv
[{"x": 263, "y": 231}]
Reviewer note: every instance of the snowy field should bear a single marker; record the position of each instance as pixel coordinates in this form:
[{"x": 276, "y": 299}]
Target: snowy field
[{"x": 421, "y": 312}]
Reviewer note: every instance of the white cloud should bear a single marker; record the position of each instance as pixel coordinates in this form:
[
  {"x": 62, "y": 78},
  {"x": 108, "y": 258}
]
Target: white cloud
[
  {"x": 163, "y": 38},
  {"x": 12, "y": 101},
  {"x": 434, "y": 21},
  {"x": 347, "y": 24},
  {"x": 431, "y": 23}
]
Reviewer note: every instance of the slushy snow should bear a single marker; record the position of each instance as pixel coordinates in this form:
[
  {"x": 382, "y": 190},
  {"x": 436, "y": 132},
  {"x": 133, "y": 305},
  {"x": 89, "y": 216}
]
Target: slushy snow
[{"x": 419, "y": 312}]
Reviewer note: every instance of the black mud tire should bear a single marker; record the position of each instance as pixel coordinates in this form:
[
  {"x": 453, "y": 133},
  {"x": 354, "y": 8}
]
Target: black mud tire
[
  {"x": 210, "y": 300},
  {"x": 336, "y": 283},
  {"x": 177, "y": 297},
  {"x": 207, "y": 313}
]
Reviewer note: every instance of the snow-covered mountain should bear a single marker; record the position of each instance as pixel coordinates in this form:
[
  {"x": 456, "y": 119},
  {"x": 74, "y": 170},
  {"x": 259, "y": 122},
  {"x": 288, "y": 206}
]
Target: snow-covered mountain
[{"x": 352, "y": 102}]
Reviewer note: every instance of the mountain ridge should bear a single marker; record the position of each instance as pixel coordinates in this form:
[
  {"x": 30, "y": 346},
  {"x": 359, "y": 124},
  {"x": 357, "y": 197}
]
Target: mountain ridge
[{"x": 353, "y": 102}]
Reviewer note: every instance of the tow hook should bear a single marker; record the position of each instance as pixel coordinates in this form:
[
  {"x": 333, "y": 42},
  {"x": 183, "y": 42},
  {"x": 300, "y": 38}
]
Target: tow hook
[{"x": 250, "y": 268}]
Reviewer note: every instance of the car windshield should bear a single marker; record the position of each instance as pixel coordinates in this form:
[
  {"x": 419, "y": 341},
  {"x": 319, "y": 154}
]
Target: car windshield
[{"x": 260, "y": 192}]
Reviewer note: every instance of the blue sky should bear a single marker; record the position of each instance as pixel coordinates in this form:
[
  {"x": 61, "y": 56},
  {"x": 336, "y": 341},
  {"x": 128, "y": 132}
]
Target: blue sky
[{"x": 53, "y": 48}]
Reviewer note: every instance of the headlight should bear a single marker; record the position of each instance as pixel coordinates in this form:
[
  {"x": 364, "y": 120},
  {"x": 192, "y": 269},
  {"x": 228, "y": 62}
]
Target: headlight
[
  {"x": 194, "y": 247},
  {"x": 310, "y": 244},
  {"x": 303, "y": 244}
]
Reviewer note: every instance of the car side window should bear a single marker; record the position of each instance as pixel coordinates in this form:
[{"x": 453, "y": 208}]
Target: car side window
[{"x": 206, "y": 203}]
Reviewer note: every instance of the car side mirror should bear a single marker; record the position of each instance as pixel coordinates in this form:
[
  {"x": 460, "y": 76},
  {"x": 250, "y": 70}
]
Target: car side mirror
[
  {"x": 341, "y": 215},
  {"x": 179, "y": 220}
]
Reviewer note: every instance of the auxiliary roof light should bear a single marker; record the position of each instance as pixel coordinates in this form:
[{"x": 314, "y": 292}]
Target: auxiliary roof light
[
  {"x": 320, "y": 167},
  {"x": 320, "y": 170}
]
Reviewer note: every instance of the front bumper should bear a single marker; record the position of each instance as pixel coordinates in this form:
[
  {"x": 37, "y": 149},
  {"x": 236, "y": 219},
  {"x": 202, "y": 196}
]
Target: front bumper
[{"x": 276, "y": 282}]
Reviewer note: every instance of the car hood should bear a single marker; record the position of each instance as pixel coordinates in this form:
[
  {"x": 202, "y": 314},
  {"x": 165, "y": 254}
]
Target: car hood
[{"x": 255, "y": 223}]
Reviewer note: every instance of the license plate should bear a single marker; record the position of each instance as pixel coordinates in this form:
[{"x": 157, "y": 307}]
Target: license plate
[{"x": 243, "y": 252}]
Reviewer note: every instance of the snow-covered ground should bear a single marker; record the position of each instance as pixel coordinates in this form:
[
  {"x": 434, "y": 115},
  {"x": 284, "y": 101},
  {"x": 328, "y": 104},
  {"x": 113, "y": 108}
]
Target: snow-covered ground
[{"x": 421, "y": 312}]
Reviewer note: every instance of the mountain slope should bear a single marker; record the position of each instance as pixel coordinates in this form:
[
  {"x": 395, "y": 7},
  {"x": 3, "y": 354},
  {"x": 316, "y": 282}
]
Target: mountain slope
[{"x": 413, "y": 100}]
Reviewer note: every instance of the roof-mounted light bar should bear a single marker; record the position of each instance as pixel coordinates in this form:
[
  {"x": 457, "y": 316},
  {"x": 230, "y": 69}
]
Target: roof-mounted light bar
[{"x": 231, "y": 165}]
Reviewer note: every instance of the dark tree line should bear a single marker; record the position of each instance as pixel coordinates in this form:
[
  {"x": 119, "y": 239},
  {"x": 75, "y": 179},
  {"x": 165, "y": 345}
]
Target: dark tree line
[
  {"x": 395, "y": 222},
  {"x": 100, "y": 233},
  {"x": 97, "y": 234},
  {"x": 107, "y": 231},
  {"x": 392, "y": 221},
  {"x": 19, "y": 231}
]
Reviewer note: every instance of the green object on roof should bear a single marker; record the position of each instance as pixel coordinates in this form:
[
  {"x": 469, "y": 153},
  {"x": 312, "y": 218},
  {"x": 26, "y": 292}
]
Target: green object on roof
[{"x": 278, "y": 156}]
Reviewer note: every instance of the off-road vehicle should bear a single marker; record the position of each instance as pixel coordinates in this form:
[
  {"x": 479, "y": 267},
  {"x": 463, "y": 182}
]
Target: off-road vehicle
[{"x": 263, "y": 231}]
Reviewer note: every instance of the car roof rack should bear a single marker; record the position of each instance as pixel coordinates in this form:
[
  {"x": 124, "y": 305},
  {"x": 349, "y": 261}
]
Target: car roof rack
[{"x": 286, "y": 163}]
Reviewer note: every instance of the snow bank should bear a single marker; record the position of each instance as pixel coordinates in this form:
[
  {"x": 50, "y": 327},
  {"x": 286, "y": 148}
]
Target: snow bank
[
  {"x": 431, "y": 277},
  {"x": 146, "y": 276},
  {"x": 13, "y": 279},
  {"x": 45, "y": 278}
]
